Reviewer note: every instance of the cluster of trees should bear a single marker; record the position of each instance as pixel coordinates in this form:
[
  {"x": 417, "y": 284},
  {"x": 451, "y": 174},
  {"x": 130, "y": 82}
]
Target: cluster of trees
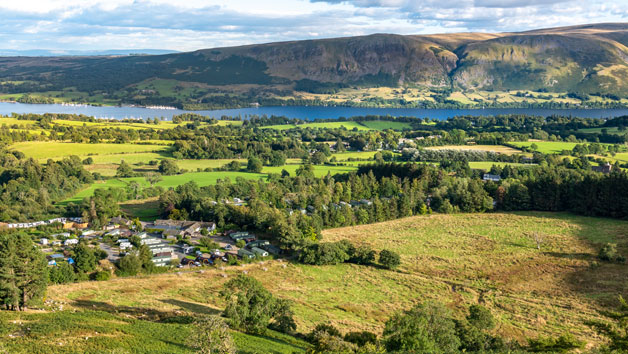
[
  {"x": 29, "y": 189},
  {"x": 23, "y": 272},
  {"x": 560, "y": 189},
  {"x": 293, "y": 210},
  {"x": 430, "y": 327},
  {"x": 85, "y": 266},
  {"x": 328, "y": 253}
]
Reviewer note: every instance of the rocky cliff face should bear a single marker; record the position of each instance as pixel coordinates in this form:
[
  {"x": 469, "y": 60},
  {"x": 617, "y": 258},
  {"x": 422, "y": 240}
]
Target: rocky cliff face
[{"x": 591, "y": 58}]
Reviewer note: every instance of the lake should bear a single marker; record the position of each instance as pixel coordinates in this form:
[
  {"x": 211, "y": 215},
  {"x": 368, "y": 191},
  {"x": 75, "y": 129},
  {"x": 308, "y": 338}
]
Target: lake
[{"x": 301, "y": 112}]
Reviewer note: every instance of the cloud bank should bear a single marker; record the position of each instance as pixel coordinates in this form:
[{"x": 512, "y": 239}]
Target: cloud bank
[{"x": 195, "y": 24}]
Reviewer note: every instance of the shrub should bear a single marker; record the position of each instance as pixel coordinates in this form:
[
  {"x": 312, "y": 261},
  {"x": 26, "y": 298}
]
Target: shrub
[
  {"x": 327, "y": 253},
  {"x": 62, "y": 273},
  {"x": 361, "y": 338},
  {"x": 389, "y": 259},
  {"x": 562, "y": 344},
  {"x": 426, "y": 328},
  {"x": 609, "y": 253},
  {"x": 363, "y": 255},
  {"x": 130, "y": 264},
  {"x": 211, "y": 335},
  {"x": 101, "y": 276},
  {"x": 250, "y": 307},
  {"x": 481, "y": 317}
]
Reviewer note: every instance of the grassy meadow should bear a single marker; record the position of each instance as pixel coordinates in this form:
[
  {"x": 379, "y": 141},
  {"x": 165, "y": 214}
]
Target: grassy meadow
[
  {"x": 349, "y": 125},
  {"x": 458, "y": 259},
  {"x": 547, "y": 147},
  {"x": 201, "y": 178},
  {"x": 55, "y": 150},
  {"x": 101, "y": 328},
  {"x": 486, "y": 165},
  {"x": 494, "y": 148}
]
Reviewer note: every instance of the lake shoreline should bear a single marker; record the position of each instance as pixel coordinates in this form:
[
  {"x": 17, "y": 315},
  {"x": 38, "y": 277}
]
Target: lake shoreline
[{"x": 299, "y": 112}]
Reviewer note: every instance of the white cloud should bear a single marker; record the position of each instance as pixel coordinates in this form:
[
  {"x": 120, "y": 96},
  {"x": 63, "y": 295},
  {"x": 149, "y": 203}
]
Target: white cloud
[{"x": 194, "y": 24}]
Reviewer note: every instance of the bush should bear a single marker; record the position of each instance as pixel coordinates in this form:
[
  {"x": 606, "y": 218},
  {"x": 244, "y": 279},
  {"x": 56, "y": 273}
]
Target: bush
[
  {"x": 363, "y": 255},
  {"x": 101, "y": 276},
  {"x": 327, "y": 253},
  {"x": 62, "y": 273},
  {"x": 426, "y": 328},
  {"x": 168, "y": 167},
  {"x": 361, "y": 338},
  {"x": 609, "y": 253},
  {"x": 481, "y": 317},
  {"x": 250, "y": 307},
  {"x": 130, "y": 264},
  {"x": 562, "y": 344},
  {"x": 254, "y": 165},
  {"x": 389, "y": 259}
]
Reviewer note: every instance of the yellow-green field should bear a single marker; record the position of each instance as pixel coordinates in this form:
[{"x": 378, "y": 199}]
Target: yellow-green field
[
  {"x": 55, "y": 150},
  {"x": 367, "y": 125},
  {"x": 486, "y": 165},
  {"x": 494, "y": 148},
  {"x": 326, "y": 125},
  {"x": 201, "y": 178},
  {"x": 547, "y": 147},
  {"x": 456, "y": 259}
]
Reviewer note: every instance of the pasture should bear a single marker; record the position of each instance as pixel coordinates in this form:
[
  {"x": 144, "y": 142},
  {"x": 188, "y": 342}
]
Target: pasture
[
  {"x": 322, "y": 125},
  {"x": 458, "y": 259},
  {"x": 200, "y": 178},
  {"x": 349, "y": 125},
  {"x": 547, "y": 147},
  {"x": 319, "y": 170},
  {"x": 486, "y": 165},
  {"x": 43, "y": 150},
  {"x": 102, "y": 328},
  {"x": 494, "y": 148}
]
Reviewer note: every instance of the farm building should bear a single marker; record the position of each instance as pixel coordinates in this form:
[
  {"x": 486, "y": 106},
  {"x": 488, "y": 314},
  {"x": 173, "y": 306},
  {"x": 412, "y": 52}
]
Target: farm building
[{"x": 490, "y": 177}]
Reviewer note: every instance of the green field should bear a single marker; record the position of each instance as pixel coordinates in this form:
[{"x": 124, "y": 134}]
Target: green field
[
  {"x": 492, "y": 148},
  {"x": 193, "y": 165},
  {"x": 547, "y": 147},
  {"x": 145, "y": 210},
  {"x": 54, "y": 150},
  {"x": 102, "y": 328},
  {"x": 455, "y": 259},
  {"x": 366, "y": 125},
  {"x": 362, "y": 155},
  {"x": 201, "y": 178},
  {"x": 609, "y": 130},
  {"x": 486, "y": 165},
  {"x": 323, "y": 125},
  {"x": 385, "y": 125},
  {"x": 319, "y": 170}
]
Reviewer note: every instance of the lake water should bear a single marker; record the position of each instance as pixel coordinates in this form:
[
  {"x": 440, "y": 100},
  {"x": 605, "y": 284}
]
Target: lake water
[{"x": 301, "y": 112}]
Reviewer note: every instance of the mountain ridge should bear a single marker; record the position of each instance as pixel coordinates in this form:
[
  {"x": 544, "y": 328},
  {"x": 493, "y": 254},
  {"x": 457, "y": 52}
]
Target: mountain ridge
[{"x": 587, "y": 59}]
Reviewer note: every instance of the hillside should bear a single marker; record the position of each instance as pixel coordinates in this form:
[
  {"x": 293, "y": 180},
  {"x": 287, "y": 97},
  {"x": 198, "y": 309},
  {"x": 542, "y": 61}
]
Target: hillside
[
  {"x": 457, "y": 259},
  {"x": 578, "y": 60}
]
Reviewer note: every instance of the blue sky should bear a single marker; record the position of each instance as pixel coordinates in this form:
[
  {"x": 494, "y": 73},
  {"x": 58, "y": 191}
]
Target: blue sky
[{"x": 195, "y": 24}]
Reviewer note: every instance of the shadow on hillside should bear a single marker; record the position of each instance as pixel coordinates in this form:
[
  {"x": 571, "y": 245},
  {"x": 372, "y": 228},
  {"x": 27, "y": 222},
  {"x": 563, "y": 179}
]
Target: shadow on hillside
[
  {"x": 579, "y": 256},
  {"x": 192, "y": 307},
  {"x": 597, "y": 281},
  {"x": 142, "y": 313}
]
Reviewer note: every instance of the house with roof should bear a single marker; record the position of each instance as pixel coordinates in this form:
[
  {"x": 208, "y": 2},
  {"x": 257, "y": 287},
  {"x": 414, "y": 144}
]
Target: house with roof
[
  {"x": 604, "y": 168},
  {"x": 490, "y": 177},
  {"x": 70, "y": 242}
]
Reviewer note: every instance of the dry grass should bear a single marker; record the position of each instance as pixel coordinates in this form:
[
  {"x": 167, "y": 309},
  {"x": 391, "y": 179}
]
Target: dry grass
[{"x": 456, "y": 259}]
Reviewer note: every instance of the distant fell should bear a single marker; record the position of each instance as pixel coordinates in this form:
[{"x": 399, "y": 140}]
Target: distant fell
[{"x": 577, "y": 60}]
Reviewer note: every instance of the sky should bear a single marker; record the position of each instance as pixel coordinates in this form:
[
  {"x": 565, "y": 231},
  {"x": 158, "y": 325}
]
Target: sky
[{"x": 196, "y": 24}]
